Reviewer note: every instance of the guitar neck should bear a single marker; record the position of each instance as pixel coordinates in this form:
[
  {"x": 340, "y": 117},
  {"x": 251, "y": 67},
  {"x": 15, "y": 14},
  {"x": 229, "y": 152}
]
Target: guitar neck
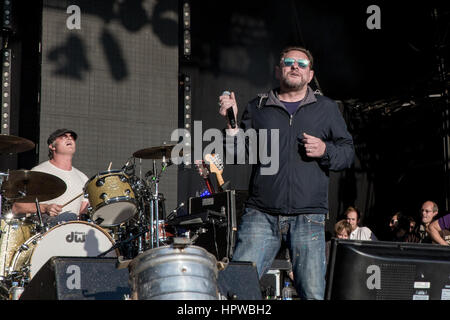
[{"x": 219, "y": 178}]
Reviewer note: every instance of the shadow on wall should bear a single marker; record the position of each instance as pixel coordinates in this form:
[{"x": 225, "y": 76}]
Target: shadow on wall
[{"x": 70, "y": 58}]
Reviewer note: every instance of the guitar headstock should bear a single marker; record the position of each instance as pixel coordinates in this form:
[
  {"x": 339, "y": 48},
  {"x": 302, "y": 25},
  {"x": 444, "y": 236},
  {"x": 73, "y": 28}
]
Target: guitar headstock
[{"x": 215, "y": 163}]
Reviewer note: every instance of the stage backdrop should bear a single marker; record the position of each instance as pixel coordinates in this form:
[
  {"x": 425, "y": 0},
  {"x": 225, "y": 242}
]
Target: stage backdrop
[{"x": 110, "y": 72}]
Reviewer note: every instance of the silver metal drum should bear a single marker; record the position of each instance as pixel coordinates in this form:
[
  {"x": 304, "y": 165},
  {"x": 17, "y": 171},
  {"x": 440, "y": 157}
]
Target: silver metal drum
[{"x": 174, "y": 273}]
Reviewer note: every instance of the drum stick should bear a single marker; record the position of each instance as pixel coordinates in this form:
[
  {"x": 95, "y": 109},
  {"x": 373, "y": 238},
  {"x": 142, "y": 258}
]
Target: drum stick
[
  {"x": 109, "y": 168},
  {"x": 65, "y": 204}
]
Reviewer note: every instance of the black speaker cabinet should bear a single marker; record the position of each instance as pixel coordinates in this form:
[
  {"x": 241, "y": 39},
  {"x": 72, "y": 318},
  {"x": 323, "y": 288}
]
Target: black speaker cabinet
[
  {"x": 219, "y": 239},
  {"x": 78, "y": 278},
  {"x": 239, "y": 281},
  {"x": 380, "y": 270}
]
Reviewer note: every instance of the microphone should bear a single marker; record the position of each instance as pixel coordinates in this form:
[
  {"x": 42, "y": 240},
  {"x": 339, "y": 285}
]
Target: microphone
[
  {"x": 148, "y": 174},
  {"x": 125, "y": 166},
  {"x": 230, "y": 112},
  {"x": 174, "y": 211},
  {"x": 179, "y": 206}
]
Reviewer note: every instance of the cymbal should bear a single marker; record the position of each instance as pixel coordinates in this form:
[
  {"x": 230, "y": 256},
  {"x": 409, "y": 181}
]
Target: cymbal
[
  {"x": 33, "y": 184},
  {"x": 12, "y": 144},
  {"x": 156, "y": 152}
]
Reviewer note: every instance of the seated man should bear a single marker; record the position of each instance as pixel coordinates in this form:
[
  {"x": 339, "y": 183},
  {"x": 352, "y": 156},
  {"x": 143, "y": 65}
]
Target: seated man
[
  {"x": 353, "y": 217},
  {"x": 429, "y": 212},
  {"x": 62, "y": 147}
]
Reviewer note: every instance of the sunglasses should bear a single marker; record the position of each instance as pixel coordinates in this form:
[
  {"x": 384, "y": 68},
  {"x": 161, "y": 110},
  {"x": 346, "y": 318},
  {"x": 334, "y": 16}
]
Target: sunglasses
[{"x": 302, "y": 63}]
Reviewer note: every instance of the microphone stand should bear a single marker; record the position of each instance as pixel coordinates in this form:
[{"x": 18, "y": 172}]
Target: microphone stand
[{"x": 118, "y": 244}]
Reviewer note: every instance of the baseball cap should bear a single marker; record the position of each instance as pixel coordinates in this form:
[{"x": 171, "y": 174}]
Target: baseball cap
[{"x": 59, "y": 132}]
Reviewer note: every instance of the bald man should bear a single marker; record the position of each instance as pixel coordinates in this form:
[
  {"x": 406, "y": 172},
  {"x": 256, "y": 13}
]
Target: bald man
[{"x": 429, "y": 212}]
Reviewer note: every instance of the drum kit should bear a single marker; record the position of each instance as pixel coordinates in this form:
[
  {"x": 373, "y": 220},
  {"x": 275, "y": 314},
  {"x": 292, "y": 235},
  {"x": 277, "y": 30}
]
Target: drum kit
[{"x": 125, "y": 217}]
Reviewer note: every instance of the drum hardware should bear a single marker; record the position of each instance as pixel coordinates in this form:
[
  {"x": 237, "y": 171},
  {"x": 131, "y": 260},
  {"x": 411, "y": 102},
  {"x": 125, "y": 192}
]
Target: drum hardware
[
  {"x": 129, "y": 167},
  {"x": 38, "y": 211},
  {"x": 16, "y": 291},
  {"x": 148, "y": 198},
  {"x": 154, "y": 204}
]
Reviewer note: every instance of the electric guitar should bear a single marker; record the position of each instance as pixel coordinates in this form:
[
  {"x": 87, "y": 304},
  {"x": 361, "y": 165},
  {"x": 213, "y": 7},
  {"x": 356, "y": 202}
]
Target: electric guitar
[{"x": 215, "y": 166}]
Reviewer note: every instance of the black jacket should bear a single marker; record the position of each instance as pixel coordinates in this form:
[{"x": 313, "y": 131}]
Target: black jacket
[{"x": 300, "y": 184}]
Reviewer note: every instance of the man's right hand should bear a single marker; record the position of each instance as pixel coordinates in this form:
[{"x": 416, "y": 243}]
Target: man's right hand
[
  {"x": 53, "y": 209},
  {"x": 226, "y": 101}
]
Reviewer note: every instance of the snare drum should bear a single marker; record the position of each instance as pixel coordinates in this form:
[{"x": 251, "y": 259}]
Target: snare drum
[
  {"x": 165, "y": 231},
  {"x": 111, "y": 198},
  {"x": 14, "y": 232},
  {"x": 70, "y": 239}
]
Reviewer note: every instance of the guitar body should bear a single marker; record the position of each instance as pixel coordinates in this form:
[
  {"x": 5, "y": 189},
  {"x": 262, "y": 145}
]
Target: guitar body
[
  {"x": 215, "y": 166},
  {"x": 204, "y": 173}
]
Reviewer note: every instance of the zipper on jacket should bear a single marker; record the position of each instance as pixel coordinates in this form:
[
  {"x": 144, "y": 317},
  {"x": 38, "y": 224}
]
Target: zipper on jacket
[{"x": 289, "y": 161}]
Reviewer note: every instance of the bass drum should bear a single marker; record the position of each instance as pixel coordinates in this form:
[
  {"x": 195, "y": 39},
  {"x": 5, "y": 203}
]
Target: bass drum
[{"x": 70, "y": 239}]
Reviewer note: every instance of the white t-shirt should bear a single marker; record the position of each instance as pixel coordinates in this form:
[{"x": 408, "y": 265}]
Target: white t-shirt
[
  {"x": 362, "y": 233},
  {"x": 75, "y": 181}
]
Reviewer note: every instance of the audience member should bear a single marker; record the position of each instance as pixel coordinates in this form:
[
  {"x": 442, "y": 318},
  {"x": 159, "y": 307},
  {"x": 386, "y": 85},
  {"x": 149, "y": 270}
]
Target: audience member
[
  {"x": 412, "y": 224},
  {"x": 429, "y": 212},
  {"x": 393, "y": 222},
  {"x": 342, "y": 229},
  {"x": 353, "y": 217},
  {"x": 403, "y": 231},
  {"x": 439, "y": 230}
]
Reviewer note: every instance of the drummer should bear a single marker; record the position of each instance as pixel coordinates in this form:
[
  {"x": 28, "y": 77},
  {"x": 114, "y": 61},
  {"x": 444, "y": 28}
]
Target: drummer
[{"x": 62, "y": 146}]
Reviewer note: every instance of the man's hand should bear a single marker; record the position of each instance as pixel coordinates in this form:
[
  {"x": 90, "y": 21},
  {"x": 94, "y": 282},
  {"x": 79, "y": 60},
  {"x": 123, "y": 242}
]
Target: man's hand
[
  {"x": 434, "y": 229},
  {"x": 53, "y": 209},
  {"x": 225, "y": 102},
  {"x": 315, "y": 148}
]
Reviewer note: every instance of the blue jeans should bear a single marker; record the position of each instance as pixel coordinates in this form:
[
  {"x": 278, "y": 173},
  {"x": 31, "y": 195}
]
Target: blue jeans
[{"x": 259, "y": 239}]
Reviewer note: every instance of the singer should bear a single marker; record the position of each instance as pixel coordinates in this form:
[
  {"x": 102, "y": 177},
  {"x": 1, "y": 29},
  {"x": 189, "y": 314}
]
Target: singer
[
  {"x": 291, "y": 204},
  {"x": 62, "y": 147}
]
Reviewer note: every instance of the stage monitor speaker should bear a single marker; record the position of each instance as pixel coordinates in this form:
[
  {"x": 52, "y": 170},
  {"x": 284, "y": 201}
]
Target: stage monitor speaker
[
  {"x": 239, "y": 281},
  {"x": 219, "y": 239},
  {"x": 380, "y": 270},
  {"x": 78, "y": 278}
]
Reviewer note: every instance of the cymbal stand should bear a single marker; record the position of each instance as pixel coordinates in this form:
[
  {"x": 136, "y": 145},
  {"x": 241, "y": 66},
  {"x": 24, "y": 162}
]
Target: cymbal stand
[
  {"x": 154, "y": 203},
  {"x": 154, "y": 209},
  {"x": 138, "y": 184},
  {"x": 38, "y": 210},
  {"x": 2, "y": 175}
]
